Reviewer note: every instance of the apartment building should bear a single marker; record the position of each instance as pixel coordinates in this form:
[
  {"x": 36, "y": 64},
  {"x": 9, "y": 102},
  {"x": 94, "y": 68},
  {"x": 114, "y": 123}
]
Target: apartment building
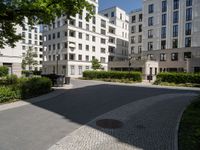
[
  {"x": 32, "y": 39},
  {"x": 118, "y": 33},
  {"x": 71, "y": 45},
  {"x": 12, "y": 57},
  {"x": 170, "y": 34}
]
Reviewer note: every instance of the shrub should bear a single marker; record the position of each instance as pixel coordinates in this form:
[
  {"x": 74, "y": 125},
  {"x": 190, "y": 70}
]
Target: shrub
[
  {"x": 179, "y": 78},
  {"x": 27, "y": 73},
  {"x": 7, "y": 94},
  {"x": 3, "y": 71},
  {"x": 9, "y": 80},
  {"x": 134, "y": 76},
  {"x": 34, "y": 87}
]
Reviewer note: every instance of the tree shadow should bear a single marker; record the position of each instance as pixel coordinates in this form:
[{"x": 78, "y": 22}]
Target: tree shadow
[{"x": 83, "y": 104}]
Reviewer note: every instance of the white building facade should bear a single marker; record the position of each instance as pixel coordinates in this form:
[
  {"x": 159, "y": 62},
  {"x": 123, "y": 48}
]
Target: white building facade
[
  {"x": 12, "y": 57},
  {"x": 170, "y": 34},
  {"x": 71, "y": 45}
]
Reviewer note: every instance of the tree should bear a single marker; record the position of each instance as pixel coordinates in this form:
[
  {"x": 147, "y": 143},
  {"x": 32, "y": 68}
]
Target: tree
[
  {"x": 29, "y": 60},
  {"x": 14, "y": 12},
  {"x": 96, "y": 64}
]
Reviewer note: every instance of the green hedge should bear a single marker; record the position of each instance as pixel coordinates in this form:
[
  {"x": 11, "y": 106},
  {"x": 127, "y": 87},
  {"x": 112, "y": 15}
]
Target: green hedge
[
  {"x": 23, "y": 88},
  {"x": 34, "y": 87},
  {"x": 134, "y": 76},
  {"x": 9, "y": 80},
  {"x": 3, "y": 71},
  {"x": 7, "y": 94},
  {"x": 27, "y": 73},
  {"x": 179, "y": 78}
]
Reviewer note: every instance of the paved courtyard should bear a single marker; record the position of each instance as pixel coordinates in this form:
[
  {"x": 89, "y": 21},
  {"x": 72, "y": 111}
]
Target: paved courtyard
[{"x": 68, "y": 120}]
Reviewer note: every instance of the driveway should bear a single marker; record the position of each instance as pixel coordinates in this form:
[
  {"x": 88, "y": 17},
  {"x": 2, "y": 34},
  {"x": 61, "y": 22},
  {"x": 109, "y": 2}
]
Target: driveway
[{"x": 40, "y": 125}]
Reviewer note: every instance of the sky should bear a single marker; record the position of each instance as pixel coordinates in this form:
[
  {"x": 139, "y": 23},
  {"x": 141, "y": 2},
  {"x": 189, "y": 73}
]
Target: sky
[{"x": 127, "y": 5}]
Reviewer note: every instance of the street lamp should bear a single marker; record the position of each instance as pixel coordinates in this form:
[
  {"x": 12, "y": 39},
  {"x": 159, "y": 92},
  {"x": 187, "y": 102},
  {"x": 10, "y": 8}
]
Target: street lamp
[
  {"x": 129, "y": 67},
  {"x": 57, "y": 56}
]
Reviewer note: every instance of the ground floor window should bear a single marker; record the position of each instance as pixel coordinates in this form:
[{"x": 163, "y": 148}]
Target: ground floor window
[
  {"x": 72, "y": 70},
  {"x": 80, "y": 70}
]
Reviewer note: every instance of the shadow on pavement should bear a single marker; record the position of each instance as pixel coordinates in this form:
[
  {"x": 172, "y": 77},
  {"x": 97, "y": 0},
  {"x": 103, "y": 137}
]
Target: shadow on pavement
[{"x": 83, "y": 104}]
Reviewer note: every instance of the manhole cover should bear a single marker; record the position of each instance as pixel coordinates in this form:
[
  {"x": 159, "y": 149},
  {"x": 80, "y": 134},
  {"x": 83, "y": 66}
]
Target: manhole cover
[{"x": 109, "y": 123}]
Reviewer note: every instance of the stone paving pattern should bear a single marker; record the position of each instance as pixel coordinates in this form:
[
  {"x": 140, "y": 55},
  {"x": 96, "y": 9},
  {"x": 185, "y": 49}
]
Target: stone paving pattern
[{"x": 149, "y": 124}]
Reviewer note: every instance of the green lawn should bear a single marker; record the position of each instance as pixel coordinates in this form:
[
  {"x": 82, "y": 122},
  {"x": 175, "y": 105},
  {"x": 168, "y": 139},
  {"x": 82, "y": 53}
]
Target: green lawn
[{"x": 189, "y": 131}]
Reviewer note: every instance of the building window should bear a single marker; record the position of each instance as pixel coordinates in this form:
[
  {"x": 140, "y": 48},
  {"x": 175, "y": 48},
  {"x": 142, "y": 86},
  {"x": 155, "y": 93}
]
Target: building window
[
  {"x": 140, "y": 17},
  {"x": 80, "y": 57},
  {"x": 54, "y": 47},
  {"x": 80, "y": 70},
  {"x": 188, "y": 28},
  {"x": 58, "y": 46},
  {"x": 151, "y": 8},
  {"x": 133, "y": 29},
  {"x": 103, "y": 23},
  {"x": 80, "y": 24},
  {"x": 150, "y": 46},
  {"x": 164, "y": 6},
  {"x": 103, "y": 41},
  {"x": 103, "y": 50},
  {"x": 87, "y": 27},
  {"x": 163, "y": 57},
  {"x": 150, "y": 56},
  {"x": 164, "y": 19},
  {"x": 176, "y": 4},
  {"x": 140, "y": 28},
  {"x": 163, "y": 32},
  {"x": 54, "y": 35},
  {"x": 87, "y": 48},
  {"x": 163, "y": 44},
  {"x": 71, "y": 56},
  {"x": 188, "y": 42},
  {"x": 139, "y": 49},
  {"x": 103, "y": 32},
  {"x": 58, "y": 35},
  {"x": 187, "y": 55},
  {"x": 175, "y": 17},
  {"x": 132, "y": 39},
  {"x": 175, "y": 31},
  {"x": 150, "y": 33},
  {"x": 102, "y": 59},
  {"x": 87, "y": 37},
  {"x": 174, "y": 56},
  {"x": 188, "y": 3},
  {"x": 93, "y": 48},
  {"x": 175, "y": 43},
  {"x": 72, "y": 70},
  {"x": 133, "y": 19},
  {"x": 150, "y": 21},
  {"x": 188, "y": 14},
  {"x": 80, "y": 46},
  {"x": 72, "y": 33},
  {"x": 80, "y": 35},
  {"x": 113, "y": 14},
  {"x": 87, "y": 58},
  {"x": 140, "y": 39}
]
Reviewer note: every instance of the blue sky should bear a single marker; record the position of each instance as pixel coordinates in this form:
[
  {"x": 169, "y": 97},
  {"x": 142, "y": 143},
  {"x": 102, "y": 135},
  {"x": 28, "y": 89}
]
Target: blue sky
[{"x": 127, "y": 5}]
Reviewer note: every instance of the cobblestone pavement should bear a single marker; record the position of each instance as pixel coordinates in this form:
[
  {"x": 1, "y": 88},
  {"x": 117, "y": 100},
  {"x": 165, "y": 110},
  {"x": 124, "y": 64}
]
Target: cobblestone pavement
[{"x": 149, "y": 124}]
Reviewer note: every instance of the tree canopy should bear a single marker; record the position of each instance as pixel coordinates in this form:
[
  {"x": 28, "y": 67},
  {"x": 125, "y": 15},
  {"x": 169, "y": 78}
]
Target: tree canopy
[
  {"x": 29, "y": 59},
  {"x": 96, "y": 64},
  {"x": 14, "y": 12}
]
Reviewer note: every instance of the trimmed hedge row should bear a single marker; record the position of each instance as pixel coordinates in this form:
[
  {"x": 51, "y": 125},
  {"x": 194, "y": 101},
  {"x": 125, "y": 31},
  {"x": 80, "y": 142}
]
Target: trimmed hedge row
[
  {"x": 3, "y": 71},
  {"x": 34, "y": 87},
  {"x": 24, "y": 88},
  {"x": 134, "y": 76},
  {"x": 179, "y": 78},
  {"x": 27, "y": 73}
]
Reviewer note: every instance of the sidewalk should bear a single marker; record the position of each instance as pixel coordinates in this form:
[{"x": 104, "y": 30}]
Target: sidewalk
[
  {"x": 148, "y": 124},
  {"x": 57, "y": 91}
]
